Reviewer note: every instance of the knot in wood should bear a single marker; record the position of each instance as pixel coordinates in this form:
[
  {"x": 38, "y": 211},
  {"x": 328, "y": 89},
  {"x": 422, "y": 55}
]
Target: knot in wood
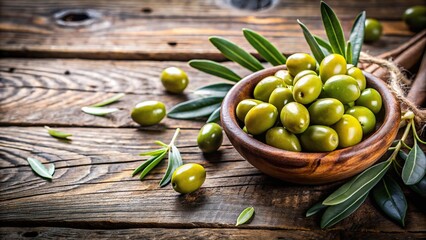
[{"x": 76, "y": 17}]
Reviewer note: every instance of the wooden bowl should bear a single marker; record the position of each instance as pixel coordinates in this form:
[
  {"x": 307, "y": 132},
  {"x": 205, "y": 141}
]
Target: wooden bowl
[{"x": 304, "y": 167}]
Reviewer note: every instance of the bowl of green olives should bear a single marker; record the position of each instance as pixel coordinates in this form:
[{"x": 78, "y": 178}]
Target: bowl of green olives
[{"x": 311, "y": 123}]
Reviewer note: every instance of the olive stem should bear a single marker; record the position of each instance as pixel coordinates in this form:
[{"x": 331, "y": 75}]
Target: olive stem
[
  {"x": 172, "y": 142},
  {"x": 399, "y": 145}
]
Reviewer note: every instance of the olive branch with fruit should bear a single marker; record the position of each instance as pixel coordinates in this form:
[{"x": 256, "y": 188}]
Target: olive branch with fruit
[{"x": 380, "y": 179}]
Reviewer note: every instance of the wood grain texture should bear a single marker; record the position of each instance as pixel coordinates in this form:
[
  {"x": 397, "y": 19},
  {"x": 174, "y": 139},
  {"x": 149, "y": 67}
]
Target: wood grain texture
[
  {"x": 199, "y": 233},
  {"x": 93, "y": 187},
  {"x": 175, "y": 30},
  {"x": 52, "y": 92}
]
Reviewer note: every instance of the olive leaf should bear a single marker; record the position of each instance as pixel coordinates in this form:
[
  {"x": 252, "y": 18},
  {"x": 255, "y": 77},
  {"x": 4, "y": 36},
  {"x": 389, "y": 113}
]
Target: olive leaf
[
  {"x": 389, "y": 197},
  {"x": 316, "y": 208},
  {"x": 154, "y": 162},
  {"x": 109, "y": 100},
  {"x": 57, "y": 134},
  {"x": 154, "y": 152},
  {"x": 98, "y": 111},
  {"x": 313, "y": 44},
  {"x": 215, "y": 89},
  {"x": 333, "y": 29},
  {"x": 175, "y": 161},
  {"x": 146, "y": 163},
  {"x": 234, "y": 53},
  {"x": 245, "y": 216},
  {"x": 215, "y": 116},
  {"x": 415, "y": 166},
  {"x": 349, "y": 53},
  {"x": 336, "y": 213},
  {"x": 40, "y": 169},
  {"x": 420, "y": 187},
  {"x": 195, "y": 108},
  {"x": 215, "y": 69},
  {"x": 51, "y": 169},
  {"x": 264, "y": 47},
  {"x": 357, "y": 37},
  {"x": 325, "y": 46},
  {"x": 359, "y": 185}
]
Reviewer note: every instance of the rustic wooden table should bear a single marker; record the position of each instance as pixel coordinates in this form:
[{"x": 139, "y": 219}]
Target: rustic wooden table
[{"x": 54, "y": 62}]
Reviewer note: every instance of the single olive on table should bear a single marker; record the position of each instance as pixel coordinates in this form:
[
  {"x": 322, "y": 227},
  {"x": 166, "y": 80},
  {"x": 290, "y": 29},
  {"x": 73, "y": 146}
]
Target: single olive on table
[
  {"x": 174, "y": 79},
  {"x": 415, "y": 18},
  {"x": 316, "y": 111},
  {"x": 373, "y": 30},
  {"x": 148, "y": 113},
  {"x": 188, "y": 178},
  {"x": 210, "y": 137}
]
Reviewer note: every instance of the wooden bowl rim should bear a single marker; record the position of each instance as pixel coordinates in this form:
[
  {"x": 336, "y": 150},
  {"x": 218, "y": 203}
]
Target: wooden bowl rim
[{"x": 233, "y": 130}]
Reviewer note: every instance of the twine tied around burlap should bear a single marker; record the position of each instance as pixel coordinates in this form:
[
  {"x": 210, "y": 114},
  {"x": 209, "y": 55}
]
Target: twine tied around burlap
[{"x": 397, "y": 82}]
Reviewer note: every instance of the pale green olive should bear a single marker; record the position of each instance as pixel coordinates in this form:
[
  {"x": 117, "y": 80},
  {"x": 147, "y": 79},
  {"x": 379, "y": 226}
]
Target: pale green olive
[
  {"x": 284, "y": 75},
  {"x": 295, "y": 117},
  {"x": 148, "y": 112},
  {"x": 264, "y": 88},
  {"x": 260, "y": 118},
  {"x": 244, "y": 106},
  {"x": 174, "y": 79},
  {"x": 342, "y": 87},
  {"x": 319, "y": 138},
  {"x": 302, "y": 74},
  {"x": 326, "y": 111},
  {"x": 307, "y": 89},
  {"x": 333, "y": 64},
  {"x": 365, "y": 117},
  {"x": 280, "y": 97},
  {"x": 357, "y": 74},
  {"x": 300, "y": 61},
  {"x": 371, "y": 99},
  {"x": 188, "y": 178},
  {"x": 279, "y": 137},
  {"x": 349, "y": 131}
]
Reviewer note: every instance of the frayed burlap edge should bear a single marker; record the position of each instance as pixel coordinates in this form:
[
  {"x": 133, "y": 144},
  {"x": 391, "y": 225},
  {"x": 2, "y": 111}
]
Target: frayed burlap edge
[{"x": 395, "y": 81}]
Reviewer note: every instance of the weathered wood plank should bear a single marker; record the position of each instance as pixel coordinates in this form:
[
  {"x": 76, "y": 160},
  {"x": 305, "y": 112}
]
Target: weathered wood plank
[
  {"x": 52, "y": 92},
  {"x": 199, "y": 233},
  {"x": 94, "y": 169},
  {"x": 125, "y": 32}
]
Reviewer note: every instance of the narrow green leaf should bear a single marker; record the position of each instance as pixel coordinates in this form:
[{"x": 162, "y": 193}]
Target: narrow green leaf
[
  {"x": 313, "y": 44},
  {"x": 315, "y": 209},
  {"x": 389, "y": 197},
  {"x": 216, "y": 89},
  {"x": 349, "y": 53},
  {"x": 357, "y": 36},
  {"x": 39, "y": 168},
  {"x": 336, "y": 213},
  {"x": 109, "y": 100},
  {"x": 215, "y": 116},
  {"x": 57, "y": 134},
  {"x": 98, "y": 111},
  {"x": 333, "y": 29},
  {"x": 175, "y": 161},
  {"x": 264, "y": 47},
  {"x": 234, "y": 53},
  {"x": 160, "y": 143},
  {"x": 51, "y": 169},
  {"x": 420, "y": 187},
  {"x": 154, "y": 152},
  {"x": 152, "y": 164},
  {"x": 215, "y": 69},
  {"x": 145, "y": 164},
  {"x": 359, "y": 185},
  {"x": 324, "y": 44},
  {"x": 245, "y": 216},
  {"x": 415, "y": 166},
  {"x": 196, "y": 108}
]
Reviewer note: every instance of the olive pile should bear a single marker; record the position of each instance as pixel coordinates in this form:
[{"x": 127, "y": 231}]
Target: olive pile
[{"x": 299, "y": 109}]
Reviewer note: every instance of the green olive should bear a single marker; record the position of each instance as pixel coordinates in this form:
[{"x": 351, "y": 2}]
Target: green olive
[
  {"x": 148, "y": 113},
  {"x": 371, "y": 99},
  {"x": 188, "y": 178},
  {"x": 280, "y": 138},
  {"x": 264, "y": 88},
  {"x": 210, "y": 137},
  {"x": 260, "y": 118},
  {"x": 319, "y": 138},
  {"x": 365, "y": 117},
  {"x": 174, "y": 79},
  {"x": 342, "y": 87},
  {"x": 302, "y": 74},
  {"x": 326, "y": 111},
  {"x": 280, "y": 97},
  {"x": 373, "y": 30},
  {"x": 244, "y": 106},
  {"x": 307, "y": 89},
  {"x": 299, "y": 62},
  {"x": 284, "y": 75},
  {"x": 295, "y": 117},
  {"x": 333, "y": 64},
  {"x": 349, "y": 131},
  {"x": 357, "y": 74},
  {"x": 415, "y": 18}
]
